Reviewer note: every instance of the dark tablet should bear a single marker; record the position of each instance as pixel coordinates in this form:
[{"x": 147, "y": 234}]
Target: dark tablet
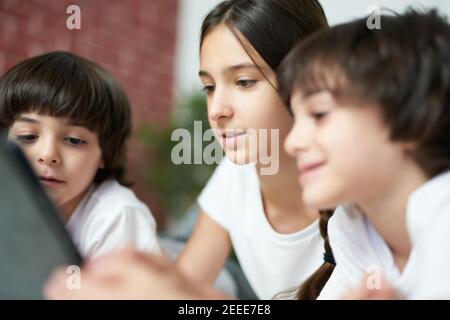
[{"x": 33, "y": 239}]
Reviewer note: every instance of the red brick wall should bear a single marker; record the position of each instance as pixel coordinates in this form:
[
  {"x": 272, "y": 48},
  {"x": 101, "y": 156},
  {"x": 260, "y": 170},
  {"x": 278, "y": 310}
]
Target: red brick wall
[{"x": 133, "y": 39}]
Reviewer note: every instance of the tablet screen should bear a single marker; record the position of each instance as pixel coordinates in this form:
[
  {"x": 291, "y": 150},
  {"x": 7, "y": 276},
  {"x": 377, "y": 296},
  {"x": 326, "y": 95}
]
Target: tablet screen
[{"x": 33, "y": 240}]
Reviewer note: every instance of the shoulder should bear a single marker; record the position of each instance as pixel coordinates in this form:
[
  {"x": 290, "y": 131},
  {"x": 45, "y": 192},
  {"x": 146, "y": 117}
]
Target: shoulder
[
  {"x": 352, "y": 241},
  {"x": 347, "y": 220},
  {"x": 113, "y": 217},
  {"x": 230, "y": 187},
  {"x": 112, "y": 202},
  {"x": 229, "y": 172},
  {"x": 428, "y": 222},
  {"x": 110, "y": 194},
  {"x": 335, "y": 287},
  {"x": 231, "y": 179},
  {"x": 429, "y": 207},
  {"x": 231, "y": 191}
]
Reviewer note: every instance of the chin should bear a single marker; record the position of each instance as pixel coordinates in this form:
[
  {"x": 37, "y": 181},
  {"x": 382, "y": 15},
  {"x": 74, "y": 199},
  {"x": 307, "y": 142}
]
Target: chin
[
  {"x": 241, "y": 157},
  {"x": 317, "y": 198}
]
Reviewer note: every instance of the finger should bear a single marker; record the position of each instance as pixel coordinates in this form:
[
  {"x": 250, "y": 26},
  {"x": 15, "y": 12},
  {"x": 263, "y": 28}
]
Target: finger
[{"x": 90, "y": 288}]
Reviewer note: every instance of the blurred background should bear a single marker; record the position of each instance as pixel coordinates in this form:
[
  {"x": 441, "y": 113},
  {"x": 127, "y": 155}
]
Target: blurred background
[{"x": 151, "y": 47}]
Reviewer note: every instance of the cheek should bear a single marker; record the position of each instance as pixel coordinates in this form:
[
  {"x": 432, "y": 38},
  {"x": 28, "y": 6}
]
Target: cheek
[
  {"x": 354, "y": 165},
  {"x": 345, "y": 163},
  {"x": 270, "y": 113},
  {"x": 28, "y": 152},
  {"x": 84, "y": 163},
  {"x": 347, "y": 158},
  {"x": 95, "y": 159},
  {"x": 354, "y": 150}
]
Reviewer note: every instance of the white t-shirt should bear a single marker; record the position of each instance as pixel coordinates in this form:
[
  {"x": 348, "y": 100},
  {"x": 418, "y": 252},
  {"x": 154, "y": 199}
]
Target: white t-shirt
[
  {"x": 110, "y": 217},
  {"x": 272, "y": 262},
  {"x": 359, "y": 250}
]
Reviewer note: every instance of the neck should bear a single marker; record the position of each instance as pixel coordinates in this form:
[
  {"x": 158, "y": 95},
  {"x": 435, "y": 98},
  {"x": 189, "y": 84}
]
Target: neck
[
  {"x": 282, "y": 198},
  {"x": 67, "y": 209},
  {"x": 388, "y": 212}
]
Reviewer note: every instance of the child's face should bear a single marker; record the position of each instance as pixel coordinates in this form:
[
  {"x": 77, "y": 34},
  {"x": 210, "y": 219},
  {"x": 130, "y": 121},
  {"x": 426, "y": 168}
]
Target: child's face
[
  {"x": 343, "y": 152},
  {"x": 65, "y": 157},
  {"x": 239, "y": 96}
]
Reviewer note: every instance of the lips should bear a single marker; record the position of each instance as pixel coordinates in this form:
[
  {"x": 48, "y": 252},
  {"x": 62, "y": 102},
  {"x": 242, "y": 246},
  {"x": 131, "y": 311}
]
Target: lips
[
  {"x": 308, "y": 170},
  {"x": 50, "y": 181},
  {"x": 310, "y": 166},
  {"x": 232, "y": 133},
  {"x": 231, "y": 137}
]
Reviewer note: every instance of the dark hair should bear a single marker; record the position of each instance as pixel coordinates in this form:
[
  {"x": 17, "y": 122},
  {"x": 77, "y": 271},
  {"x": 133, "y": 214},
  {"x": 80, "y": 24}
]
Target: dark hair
[
  {"x": 403, "y": 68},
  {"x": 272, "y": 27},
  {"x": 311, "y": 287},
  {"x": 61, "y": 84}
]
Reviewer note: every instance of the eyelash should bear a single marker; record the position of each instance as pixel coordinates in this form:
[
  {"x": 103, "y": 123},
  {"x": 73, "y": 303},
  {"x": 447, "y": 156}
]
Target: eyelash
[
  {"x": 29, "y": 138},
  {"x": 26, "y": 138},
  {"x": 249, "y": 83},
  {"x": 244, "y": 83},
  {"x": 208, "y": 89},
  {"x": 319, "y": 115},
  {"x": 75, "y": 141}
]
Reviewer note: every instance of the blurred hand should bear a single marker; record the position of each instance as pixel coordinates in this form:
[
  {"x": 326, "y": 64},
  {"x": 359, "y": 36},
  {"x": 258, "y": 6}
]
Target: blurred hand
[
  {"x": 128, "y": 274},
  {"x": 384, "y": 292}
]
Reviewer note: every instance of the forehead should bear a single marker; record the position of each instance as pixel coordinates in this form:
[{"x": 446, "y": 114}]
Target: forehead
[
  {"x": 221, "y": 48},
  {"x": 304, "y": 97},
  {"x": 40, "y": 119}
]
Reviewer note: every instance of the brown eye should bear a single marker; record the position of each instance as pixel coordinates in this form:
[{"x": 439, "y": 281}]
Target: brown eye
[
  {"x": 208, "y": 89},
  {"x": 74, "y": 141},
  {"x": 27, "y": 138},
  {"x": 245, "y": 83},
  {"x": 319, "y": 115}
]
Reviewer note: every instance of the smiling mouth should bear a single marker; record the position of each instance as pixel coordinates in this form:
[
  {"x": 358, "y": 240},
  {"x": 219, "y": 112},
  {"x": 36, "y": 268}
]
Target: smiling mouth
[
  {"x": 231, "y": 138},
  {"x": 310, "y": 167},
  {"x": 306, "y": 170},
  {"x": 232, "y": 134}
]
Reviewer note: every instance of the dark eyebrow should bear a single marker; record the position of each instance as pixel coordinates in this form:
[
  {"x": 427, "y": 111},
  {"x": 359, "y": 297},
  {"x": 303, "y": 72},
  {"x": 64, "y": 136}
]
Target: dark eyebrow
[
  {"x": 27, "y": 120},
  {"x": 234, "y": 68},
  {"x": 67, "y": 123},
  {"x": 312, "y": 93},
  {"x": 72, "y": 123},
  {"x": 242, "y": 66},
  {"x": 78, "y": 124}
]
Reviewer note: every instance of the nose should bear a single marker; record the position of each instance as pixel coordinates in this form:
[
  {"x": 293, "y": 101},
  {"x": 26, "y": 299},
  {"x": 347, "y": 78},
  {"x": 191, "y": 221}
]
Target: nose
[
  {"x": 219, "y": 105},
  {"x": 49, "y": 154},
  {"x": 298, "y": 139}
]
